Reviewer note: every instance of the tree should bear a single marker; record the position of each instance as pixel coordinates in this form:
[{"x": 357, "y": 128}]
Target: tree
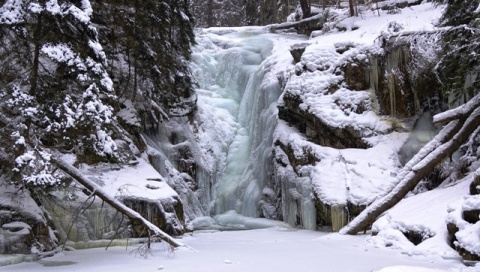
[
  {"x": 155, "y": 37},
  {"x": 66, "y": 71},
  {"x": 351, "y": 7},
  {"x": 57, "y": 90},
  {"x": 306, "y": 8}
]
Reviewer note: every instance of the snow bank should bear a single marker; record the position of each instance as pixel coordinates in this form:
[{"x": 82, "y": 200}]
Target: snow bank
[
  {"x": 354, "y": 175},
  {"x": 138, "y": 181},
  {"x": 429, "y": 221}
]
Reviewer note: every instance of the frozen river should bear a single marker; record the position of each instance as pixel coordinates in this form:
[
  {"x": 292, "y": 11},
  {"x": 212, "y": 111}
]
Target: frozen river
[{"x": 253, "y": 250}]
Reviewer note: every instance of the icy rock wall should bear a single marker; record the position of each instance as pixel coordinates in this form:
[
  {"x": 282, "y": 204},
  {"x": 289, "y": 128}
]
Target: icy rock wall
[
  {"x": 174, "y": 154},
  {"x": 84, "y": 220},
  {"x": 333, "y": 89},
  {"x": 402, "y": 77},
  {"x": 168, "y": 216}
]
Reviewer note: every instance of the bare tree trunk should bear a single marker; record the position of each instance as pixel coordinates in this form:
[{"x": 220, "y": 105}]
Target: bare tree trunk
[
  {"x": 37, "y": 35},
  {"x": 274, "y": 11},
  {"x": 305, "y": 6},
  {"x": 352, "y": 10},
  {"x": 135, "y": 54},
  {"x": 119, "y": 206},
  {"x": 450, "y": 138},
  {"x": 210, "y": 15}
]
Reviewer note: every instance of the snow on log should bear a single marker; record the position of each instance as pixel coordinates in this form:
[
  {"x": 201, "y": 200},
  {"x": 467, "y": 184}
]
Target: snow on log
[
  {"x": 462, "y": 110},
  {"x": 442, "y": 146},
  {"x": 116, "y": 204},
  {"x": 305, "y": 23}
]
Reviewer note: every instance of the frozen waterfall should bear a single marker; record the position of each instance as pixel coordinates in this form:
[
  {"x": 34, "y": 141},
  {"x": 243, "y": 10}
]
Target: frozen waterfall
[{"x": 237, "y": 102}]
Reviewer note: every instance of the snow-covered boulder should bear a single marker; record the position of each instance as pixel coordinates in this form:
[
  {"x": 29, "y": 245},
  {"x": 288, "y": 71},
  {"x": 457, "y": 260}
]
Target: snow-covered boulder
[
  {"x": 24, "y": 227},
  {"x": 463, "y": 224}
]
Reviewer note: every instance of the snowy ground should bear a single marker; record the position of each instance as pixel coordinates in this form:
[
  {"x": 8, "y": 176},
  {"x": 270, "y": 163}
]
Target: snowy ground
[{"x": 254, "y": 250}]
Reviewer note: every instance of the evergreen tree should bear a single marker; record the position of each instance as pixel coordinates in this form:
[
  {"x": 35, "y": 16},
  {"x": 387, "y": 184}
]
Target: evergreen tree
[
  {"x": 57, "y": 91},
  {"x": 148, "y": 43},
  {"x": 69, "y": 68}
]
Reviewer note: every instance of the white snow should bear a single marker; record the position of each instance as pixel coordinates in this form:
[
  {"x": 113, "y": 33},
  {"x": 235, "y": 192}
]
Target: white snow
[
  {"x": 255, "y": 250},
  {"x": 430, "y": 220},
  {"x": 141, "y": 181},
  {"x": 354, "y": 175},
  {"x": 223, "y": 128},
  {"x": 11, "y": 12},
  {"x": 10, "y": 197}
]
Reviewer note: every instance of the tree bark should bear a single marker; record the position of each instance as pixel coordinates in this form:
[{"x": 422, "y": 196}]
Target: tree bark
[
  {"x": 458, "y": 112},
  {"x": 441, "y": 147},
  {"x": 36, "y": 55},
  {"x": 352, "y": 10},
  {"x": 305, "y": 6},
  {"x": 119, "y": 206}
]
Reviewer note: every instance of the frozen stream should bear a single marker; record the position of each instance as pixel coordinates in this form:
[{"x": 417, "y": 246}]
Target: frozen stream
[{"x": 256, "y": 250}]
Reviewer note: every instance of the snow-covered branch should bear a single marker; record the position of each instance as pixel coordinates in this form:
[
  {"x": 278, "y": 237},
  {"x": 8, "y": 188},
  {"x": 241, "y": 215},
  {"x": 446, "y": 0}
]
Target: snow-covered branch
[
  {"x": 458, "y": 112},
  {"x": 305, "y": 23}
]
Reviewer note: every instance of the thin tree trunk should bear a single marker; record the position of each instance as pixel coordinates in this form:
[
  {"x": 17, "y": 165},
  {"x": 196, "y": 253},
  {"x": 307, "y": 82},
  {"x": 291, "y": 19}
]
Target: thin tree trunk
[
  {"x": 274, "y": 11},
  {"x": 119, "y": 206},
  {"x": 36, "y": 56},
  {"x": 305, "y": 6},
  {"x": 135, "y": 54},
  {"x": 352, "y": 10},
  {"x": 441, "y": 147},
  {"x": 210, "y": 13}
]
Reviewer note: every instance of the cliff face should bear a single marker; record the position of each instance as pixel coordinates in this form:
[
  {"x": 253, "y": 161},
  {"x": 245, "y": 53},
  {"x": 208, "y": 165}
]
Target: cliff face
[{"x": 344, "y": 116}]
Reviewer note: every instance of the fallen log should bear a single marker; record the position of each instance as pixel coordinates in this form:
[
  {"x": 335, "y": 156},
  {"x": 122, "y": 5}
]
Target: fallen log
[
  {"x": 312, "y": 23},
  {"x": 441, "y": 147}
]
